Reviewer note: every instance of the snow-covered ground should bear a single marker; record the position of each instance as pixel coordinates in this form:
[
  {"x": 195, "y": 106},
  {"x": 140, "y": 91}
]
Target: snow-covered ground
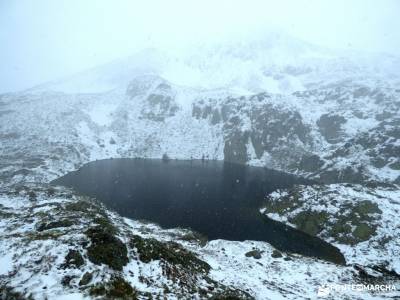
[
  {"x": 45, "y": 225},
  {"x": 361, "y": 221}
]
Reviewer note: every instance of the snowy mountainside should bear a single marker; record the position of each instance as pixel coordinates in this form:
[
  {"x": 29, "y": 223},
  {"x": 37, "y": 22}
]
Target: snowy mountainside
[
  {"x": 340, "y": 133},
  {"x": 274, "y": 62}
]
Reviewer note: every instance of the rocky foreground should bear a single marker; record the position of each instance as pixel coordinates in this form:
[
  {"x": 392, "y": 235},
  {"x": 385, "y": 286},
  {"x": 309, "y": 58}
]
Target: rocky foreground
[{"x": 59, "y": 245}]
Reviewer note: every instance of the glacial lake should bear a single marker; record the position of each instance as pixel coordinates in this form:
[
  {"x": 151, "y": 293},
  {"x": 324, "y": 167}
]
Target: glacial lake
[{"x": 217, "y": 199}]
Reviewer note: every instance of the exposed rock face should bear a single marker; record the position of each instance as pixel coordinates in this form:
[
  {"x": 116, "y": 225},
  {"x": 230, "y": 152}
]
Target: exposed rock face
[
  {"x": 330, "y": 127},
  {"x": 343, "y": 214},
  {"x": 86, "y": 278},
  {"x": 73, "y": 259},
  {"x": 259, "y": 124},
  {"x": 106, "y": 249},
  {"x": 160, "y": 106},
  {"x": 235, "y": 148},
  {"x": 172, "y": 253},
  {"x": 357, "y": 122},
  {"x": 156, "y": 96},
  {"x": 276, "y": 254},
  {"x": 256, "y": 254},
  {"x": 310, "y": 163},
  {"x": 341, "y": 132},
  {"x": 275, "y": 128}
]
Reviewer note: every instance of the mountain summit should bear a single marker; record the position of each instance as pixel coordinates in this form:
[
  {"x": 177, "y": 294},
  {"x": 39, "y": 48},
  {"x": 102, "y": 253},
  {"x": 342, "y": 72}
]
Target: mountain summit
[{"x": 269, "y": 62}]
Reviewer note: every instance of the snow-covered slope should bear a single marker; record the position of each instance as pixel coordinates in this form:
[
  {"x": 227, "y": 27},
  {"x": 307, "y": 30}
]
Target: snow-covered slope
[
  {"x": 59, "y": 245},
  {"x": 272, "y": 61},
  {"x": 343, "y": 132}
]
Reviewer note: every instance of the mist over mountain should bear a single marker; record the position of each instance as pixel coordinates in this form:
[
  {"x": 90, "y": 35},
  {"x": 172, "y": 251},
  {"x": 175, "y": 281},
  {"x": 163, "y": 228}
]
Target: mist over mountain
[{"x": 274, "y": 62}]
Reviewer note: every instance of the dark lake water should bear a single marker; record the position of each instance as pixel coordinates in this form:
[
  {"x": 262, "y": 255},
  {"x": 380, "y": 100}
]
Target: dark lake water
[{"x": 218, "y": 199}]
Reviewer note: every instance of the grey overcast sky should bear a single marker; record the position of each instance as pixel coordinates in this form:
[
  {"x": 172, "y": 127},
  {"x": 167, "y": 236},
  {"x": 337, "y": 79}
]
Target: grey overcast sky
[{"x": 41, "y": 40}]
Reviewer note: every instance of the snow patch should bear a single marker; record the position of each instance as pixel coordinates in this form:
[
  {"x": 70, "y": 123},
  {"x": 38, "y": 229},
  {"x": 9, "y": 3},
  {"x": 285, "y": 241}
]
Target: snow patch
[{"x": 102, "y": 114}]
